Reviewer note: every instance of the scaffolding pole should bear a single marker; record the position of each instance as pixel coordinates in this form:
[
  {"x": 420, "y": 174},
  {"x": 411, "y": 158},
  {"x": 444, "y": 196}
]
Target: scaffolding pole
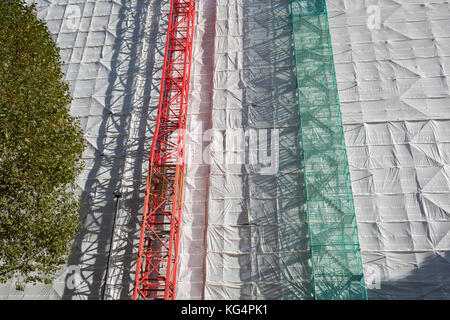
[{"x": 156, "y": 267}]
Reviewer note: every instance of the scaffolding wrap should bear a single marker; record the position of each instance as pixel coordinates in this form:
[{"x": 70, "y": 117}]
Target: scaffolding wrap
[
  {"x": 335, "y": 253},
  {"x": 156, "y": 267},
  {"x": 244, "y": 234}
]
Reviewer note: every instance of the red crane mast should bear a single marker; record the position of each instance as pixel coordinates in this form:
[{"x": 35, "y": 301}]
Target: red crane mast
[{"x": 156, "y": 267}]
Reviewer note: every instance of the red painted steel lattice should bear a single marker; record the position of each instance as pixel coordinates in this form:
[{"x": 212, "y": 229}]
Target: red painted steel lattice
[{"x": 156, "y": 267}]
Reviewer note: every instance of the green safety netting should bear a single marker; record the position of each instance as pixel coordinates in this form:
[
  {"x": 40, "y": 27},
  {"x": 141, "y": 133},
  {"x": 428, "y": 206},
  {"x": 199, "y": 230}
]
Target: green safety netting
[{"x": 335, "y": 253}]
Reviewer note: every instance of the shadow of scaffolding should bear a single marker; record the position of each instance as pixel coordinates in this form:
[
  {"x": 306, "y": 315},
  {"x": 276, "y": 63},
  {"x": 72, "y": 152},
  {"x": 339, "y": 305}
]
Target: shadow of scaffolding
[
  {"x": 278, "y": 244},
  {"x": 113, "y": 148}
]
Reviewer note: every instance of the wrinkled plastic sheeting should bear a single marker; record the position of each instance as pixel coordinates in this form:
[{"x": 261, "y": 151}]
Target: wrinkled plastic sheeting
[
  {"x": 114, "y": 77},
  {"x": 253, "y": 244},
  {"x": 194, "y": 212},
  {"x": 393, "y": 81},
  {"x": 336, "y": 260}
]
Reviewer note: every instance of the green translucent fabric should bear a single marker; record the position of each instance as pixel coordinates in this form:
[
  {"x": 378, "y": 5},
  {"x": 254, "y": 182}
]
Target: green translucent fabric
[{"x": 335, "y": 254}]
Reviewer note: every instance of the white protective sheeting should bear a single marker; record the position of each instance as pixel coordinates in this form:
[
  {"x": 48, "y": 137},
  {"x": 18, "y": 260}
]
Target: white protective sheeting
[
  {"x": 243, "y": 90},
  {"x": 244, "y": 234},
  {"x": 112, "y": 53},
  {"x": 192, "y": 245},
  {"x": 392, "y": 66}
]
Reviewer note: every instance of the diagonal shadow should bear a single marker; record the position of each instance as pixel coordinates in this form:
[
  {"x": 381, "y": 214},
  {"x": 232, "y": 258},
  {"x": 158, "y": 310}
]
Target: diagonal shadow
[{"x": 91, "y": 246}]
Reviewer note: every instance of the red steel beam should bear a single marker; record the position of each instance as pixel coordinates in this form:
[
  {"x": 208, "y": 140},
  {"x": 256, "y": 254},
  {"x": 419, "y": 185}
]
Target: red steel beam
[{"x": 156, "y": 267}]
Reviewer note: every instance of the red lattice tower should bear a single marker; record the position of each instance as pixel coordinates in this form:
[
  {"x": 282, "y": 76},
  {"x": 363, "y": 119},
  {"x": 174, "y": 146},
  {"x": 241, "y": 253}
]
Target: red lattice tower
[{"x": 156, "y": 267}]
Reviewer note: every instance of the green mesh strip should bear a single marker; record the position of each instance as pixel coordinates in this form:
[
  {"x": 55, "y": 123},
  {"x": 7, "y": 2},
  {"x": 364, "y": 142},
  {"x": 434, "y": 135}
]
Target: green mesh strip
[{"x": 336, "y": 261}]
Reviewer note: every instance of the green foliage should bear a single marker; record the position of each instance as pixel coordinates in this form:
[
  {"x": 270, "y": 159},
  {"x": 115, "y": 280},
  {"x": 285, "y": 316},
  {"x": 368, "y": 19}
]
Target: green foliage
[{"x": 40, "y": 150}]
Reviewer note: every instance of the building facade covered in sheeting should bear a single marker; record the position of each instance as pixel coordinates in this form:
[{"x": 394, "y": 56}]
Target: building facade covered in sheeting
[{"x": 248, "y": 227}]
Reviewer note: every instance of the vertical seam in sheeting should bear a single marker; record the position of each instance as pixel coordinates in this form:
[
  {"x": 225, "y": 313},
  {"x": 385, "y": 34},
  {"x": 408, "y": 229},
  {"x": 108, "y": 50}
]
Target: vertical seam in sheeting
[{"x": 211, "y": 97}]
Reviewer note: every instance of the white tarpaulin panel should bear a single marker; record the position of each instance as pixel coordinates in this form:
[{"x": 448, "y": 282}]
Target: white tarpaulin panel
[
  {"x": 112, "y": 53},
  {"x": 244, "y": 231},
  {"x": 392, "y": 69},
  {"x": 249, "y": 195},
  {"x": 192, "y": 246}
]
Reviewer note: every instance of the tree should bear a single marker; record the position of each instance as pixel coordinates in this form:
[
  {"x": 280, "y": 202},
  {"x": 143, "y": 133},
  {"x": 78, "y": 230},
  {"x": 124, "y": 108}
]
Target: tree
[{"x": 40, "y": 150}]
